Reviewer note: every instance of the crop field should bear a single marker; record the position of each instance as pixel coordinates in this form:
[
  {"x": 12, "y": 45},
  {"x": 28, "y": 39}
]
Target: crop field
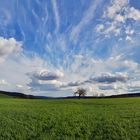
[{"x": 70, "y": 119}]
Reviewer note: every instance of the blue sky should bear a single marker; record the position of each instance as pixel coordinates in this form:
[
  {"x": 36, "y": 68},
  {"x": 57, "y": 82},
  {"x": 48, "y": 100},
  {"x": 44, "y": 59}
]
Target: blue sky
[{"x": 52, "y": 47}]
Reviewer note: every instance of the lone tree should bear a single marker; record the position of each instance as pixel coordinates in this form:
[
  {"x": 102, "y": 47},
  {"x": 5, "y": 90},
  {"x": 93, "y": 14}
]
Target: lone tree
[{"x": 80, "y": 92}]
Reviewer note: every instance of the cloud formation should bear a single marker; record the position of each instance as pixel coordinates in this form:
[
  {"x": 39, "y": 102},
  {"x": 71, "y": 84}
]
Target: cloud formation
[
  {"x": 56, "y": 13},
  {"x": 110, "y": 78},
  {"x": 88, "y": 16},
  {"x": 52, "y": 48},
  {"x": 45, "y": 80},
  {"x": 117, "y": 17},
  {"x": 8, "y": 47},
  {"x": 47, "y": 75}
]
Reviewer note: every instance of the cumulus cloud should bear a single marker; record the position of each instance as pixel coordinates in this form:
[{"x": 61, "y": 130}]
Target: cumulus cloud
[
  {"x": 115, "y": 7},
  {"x": 115, "y": 17},
  {"x": 47, "y": 75},
  {"x": 45, "y": 79},
  {"x": 120, "y": 10},
  {"x": 15, "y": 65},
  {"x": 110, "y": 78},
  {"x": 14, "y": 71},
  {"x": 8, "y": 47},
  {"x": 133, "y": 13},
  {"x": 44, "y": 86}
]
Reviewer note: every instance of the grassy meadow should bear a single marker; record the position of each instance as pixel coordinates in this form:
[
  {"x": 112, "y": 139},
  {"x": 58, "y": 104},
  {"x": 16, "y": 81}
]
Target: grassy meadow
[{"x": 70, "y": 119}]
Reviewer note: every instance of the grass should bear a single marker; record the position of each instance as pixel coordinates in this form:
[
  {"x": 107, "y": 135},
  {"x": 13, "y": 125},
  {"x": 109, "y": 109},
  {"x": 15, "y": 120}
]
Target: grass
[
  {"x": 84, "y": 119},
  {"x": 4, "y": 96}
]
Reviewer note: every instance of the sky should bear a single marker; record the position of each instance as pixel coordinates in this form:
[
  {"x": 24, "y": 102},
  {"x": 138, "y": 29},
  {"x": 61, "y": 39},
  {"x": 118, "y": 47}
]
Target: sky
[{"x": 52, "y": 47}]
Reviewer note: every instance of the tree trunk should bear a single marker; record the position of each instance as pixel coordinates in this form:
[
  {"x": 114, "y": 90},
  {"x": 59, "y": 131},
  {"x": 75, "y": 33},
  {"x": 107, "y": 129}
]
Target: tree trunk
[{"x": 79, "y": 96}]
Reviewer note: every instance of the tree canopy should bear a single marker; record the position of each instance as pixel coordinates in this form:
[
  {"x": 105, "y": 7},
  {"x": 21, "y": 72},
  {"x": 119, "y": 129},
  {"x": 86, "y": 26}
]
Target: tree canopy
[{"x": 80, "y": 92}]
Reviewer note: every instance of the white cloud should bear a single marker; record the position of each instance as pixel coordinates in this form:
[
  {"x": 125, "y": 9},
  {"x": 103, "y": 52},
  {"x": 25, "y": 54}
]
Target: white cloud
[
  {"x": 45, "y": 74},
  {"x": 112, "y": 28},
  {"x": 19, "y": 86},
  {"x": 115, "y": 7},
  {"x": 129, "y": 31},
  {"x": 8, "y": 47},
  {"x": 3, "y": 82},
  {"x": 110, "y": 78},
  {"x": 35, "y": 75},
  {"x": 120, "y": 18},
  {"x": 115, "y": 17},
  {"x": 15, "y": 66},
  {"x": 44, "y": 79},
  {"x": 133, "y": 13},
  {"x": 53, "y": 82},
  {"x": 99, "y": 27},
  {"x": 66, "y": 81},
  {"x": 14, "y": 71},
  {"x": 128, "y": 38}
]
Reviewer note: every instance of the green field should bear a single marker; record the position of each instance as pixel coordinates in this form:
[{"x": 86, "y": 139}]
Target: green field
[{"x": 93, "y": 119}]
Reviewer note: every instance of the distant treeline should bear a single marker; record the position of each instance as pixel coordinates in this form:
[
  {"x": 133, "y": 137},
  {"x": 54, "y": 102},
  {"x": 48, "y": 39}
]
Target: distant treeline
[{"x": 25, "y": 96}]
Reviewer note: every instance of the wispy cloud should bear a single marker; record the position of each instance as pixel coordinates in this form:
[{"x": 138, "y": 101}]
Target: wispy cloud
[
  {"x": 56, "y": 14},
  {"x": 95, "y": 47},
  {"x": 34, "y": 74},
  {"x": 87, "y": 17}
]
